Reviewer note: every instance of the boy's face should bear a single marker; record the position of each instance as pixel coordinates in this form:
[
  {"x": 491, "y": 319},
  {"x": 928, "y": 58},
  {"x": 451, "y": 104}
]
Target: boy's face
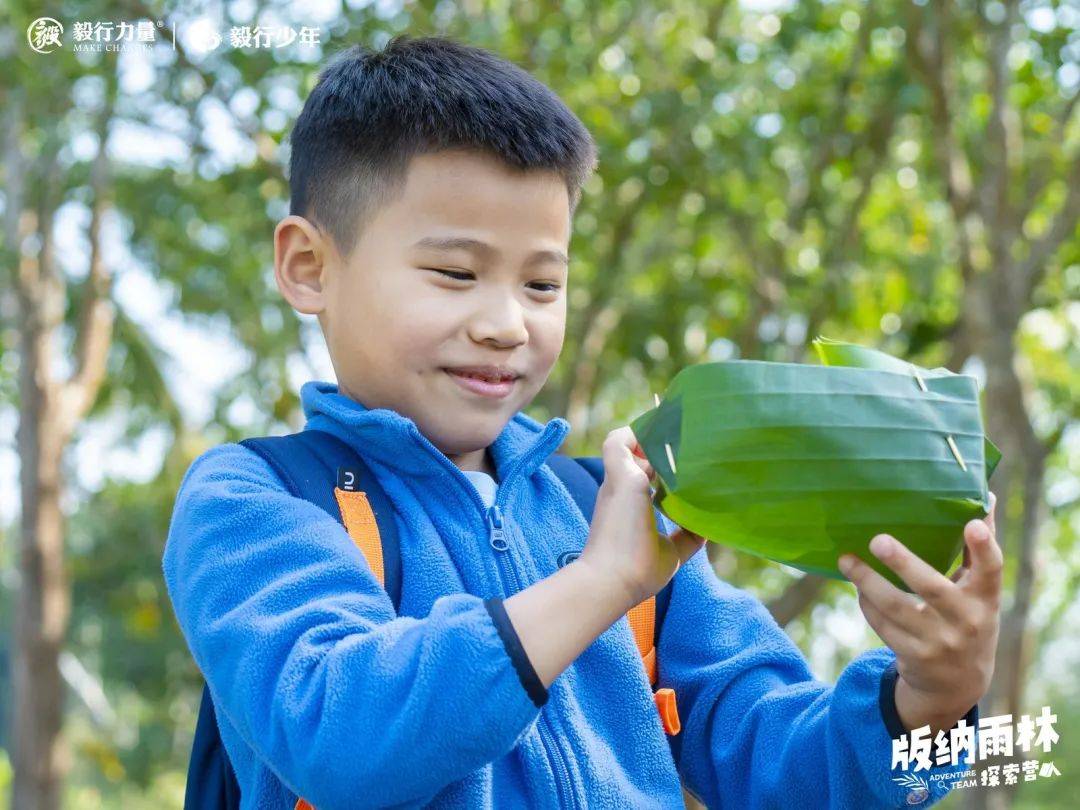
[{"x": 394, "y": 324}]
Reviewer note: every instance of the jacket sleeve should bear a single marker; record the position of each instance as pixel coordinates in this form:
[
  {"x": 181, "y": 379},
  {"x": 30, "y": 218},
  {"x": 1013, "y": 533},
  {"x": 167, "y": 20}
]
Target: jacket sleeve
[
  {"x": 758, "y": 730},
  {"x": 304, "y": 655}
]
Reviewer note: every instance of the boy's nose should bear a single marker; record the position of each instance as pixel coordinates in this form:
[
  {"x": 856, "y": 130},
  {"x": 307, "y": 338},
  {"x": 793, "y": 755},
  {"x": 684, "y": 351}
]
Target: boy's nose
[{"x": 503, "y": 322}]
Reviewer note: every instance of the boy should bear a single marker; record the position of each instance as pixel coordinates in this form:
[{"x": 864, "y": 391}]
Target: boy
[{"x": 433, "y": 186}]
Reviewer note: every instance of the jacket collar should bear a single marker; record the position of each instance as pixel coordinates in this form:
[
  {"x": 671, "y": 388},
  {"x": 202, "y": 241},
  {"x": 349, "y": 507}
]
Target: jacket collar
[{"x": 386, "y": 438}]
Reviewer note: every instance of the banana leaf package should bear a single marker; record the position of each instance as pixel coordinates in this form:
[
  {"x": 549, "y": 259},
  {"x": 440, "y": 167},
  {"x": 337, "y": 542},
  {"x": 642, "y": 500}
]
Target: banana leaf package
[{"x": 803, "y": 463}]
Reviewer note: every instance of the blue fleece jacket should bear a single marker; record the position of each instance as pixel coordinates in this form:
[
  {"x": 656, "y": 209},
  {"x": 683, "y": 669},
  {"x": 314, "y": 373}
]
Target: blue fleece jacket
[{"x": 323, "y": 692}]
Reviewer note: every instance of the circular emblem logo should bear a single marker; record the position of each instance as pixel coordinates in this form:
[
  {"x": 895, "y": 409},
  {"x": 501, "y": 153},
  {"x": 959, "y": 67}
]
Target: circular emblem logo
[
  {"x": 202, "y": 36},
  {"x": 918, "y": 795},
  {"x": 43, "y": 34}
]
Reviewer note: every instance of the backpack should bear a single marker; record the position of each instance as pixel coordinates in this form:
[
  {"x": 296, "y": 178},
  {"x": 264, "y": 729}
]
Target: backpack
[{"x": 319, "y": 467}]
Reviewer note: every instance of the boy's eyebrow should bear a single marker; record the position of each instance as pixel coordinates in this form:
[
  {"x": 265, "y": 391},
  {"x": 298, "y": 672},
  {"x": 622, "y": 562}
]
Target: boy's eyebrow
[{"x": 483, "y": 249}]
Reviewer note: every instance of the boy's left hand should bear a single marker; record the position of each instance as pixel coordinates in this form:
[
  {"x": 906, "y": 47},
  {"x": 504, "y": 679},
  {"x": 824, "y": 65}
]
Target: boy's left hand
[{"x": 945, "y": 642}]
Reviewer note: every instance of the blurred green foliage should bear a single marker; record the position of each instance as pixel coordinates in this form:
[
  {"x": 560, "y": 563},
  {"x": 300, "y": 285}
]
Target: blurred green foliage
[{"x": 767, "y": 172}]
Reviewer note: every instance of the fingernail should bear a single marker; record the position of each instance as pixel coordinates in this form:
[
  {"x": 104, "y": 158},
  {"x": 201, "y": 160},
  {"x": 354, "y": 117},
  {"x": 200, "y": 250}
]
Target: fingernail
[
  {"x": 844, "y": 564},
  {"x": 881, "y": 545},
  {"x": 980, "y": 530}
]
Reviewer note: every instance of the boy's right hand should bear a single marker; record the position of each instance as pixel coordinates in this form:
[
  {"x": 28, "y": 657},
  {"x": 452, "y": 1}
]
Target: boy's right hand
[{"x": 623, "y": 543}]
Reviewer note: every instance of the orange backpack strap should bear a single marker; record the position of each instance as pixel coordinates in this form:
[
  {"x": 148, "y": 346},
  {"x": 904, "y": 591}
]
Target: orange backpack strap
[
  {"x": 642, "y": 618},
  {"x": 669, "y": 711},
  {"x": 362, "y": 527}
]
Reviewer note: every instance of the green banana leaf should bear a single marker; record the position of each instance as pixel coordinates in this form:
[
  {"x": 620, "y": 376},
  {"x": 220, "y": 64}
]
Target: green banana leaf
[
  {"x": 836, "y": 353},
  {"x": 801, "y": 463}
]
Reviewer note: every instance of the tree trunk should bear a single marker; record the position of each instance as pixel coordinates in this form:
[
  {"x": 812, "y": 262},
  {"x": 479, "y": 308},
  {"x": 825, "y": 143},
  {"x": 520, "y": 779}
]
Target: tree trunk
[
  {"x": 49, "y": 410},
  {"x": 43, "y": 602},
  {"x": 1017, "y": 534},
  {"x": 42, "y": 606},
  {"x": 998, "y": 290}
]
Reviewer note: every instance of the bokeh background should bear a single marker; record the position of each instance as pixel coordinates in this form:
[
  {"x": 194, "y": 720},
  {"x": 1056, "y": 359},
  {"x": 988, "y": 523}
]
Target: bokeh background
[{"x": 900, "y": 174}]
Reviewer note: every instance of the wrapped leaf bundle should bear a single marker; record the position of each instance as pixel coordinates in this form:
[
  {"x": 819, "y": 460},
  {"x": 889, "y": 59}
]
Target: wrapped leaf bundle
[{"x": 800, "y": 463}]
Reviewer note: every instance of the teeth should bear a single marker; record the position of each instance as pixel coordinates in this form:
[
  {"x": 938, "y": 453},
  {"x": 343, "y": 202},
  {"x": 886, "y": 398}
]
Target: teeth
[{"x": 485, "y": 379}]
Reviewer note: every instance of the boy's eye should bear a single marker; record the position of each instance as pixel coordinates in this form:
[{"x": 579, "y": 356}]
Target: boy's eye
[
  {"x": 547, "y": 287},
  {"x": 454, "y": 274},
  {"x": 457, "y": 275}
]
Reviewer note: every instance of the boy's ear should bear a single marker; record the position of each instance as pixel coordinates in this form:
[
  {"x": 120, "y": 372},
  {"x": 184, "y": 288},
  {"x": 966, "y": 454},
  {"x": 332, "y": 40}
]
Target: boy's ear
[{"x": 301, "y": 251}]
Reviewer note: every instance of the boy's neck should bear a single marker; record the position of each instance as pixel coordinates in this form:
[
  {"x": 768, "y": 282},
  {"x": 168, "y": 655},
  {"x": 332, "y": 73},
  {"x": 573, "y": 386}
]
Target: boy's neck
[{"x": 476, "y": 460}]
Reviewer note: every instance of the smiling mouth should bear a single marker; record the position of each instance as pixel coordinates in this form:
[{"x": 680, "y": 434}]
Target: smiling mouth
[
  {"x": 485, "y": 387},
  {"x": 489, "y": 373}
]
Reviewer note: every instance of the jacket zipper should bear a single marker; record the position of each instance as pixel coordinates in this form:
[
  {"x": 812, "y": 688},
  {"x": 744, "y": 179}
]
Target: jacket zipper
[
  {"x": 563, "y": 783},
  {"x": 497, "y": 539}
]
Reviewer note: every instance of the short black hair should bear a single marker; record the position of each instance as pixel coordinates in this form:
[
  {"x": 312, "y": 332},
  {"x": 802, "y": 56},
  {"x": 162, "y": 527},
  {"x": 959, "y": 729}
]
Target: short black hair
[{"x": 370, "y": 112}]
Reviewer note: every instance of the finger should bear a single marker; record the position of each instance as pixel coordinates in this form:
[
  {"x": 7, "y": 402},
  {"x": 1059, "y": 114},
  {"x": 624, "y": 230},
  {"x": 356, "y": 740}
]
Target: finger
[
  {"x": 686, "y": 543},
  {"x": 895, "y": 636},
  {"x": 617, "y": 456},
  {"x": 901, "y": 607},
  {"x": 644, "y": 464},
  {"x": 933, "y": 586},
  {"x": 623, "y": 436},
  {"x": 986, "y": 558},
  {"x": 641, "y": 459},
  {"x": 965, "y": 566}
]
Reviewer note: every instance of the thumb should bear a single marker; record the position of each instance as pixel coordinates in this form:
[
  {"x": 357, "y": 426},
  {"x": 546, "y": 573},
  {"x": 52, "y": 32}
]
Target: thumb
[{"x": 686, "y": 543}]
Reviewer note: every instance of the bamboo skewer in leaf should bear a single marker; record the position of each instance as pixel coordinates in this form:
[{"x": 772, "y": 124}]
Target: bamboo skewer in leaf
[
  {"x": 801, "y": 463},
  {"x": 837, "y": 353}
]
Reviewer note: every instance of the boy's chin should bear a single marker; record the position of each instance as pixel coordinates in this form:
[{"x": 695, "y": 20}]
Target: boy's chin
[
  {"x": 477, "y": 429},
  {"x": 462, "y": 438}
]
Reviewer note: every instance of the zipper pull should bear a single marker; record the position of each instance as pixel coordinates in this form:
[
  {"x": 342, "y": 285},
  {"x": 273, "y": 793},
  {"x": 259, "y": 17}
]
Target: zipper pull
[{"x": 497, "y": 537}]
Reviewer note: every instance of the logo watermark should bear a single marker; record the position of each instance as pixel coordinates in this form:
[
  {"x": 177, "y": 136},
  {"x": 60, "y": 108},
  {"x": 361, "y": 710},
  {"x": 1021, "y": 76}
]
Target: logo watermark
[
  {"x": 998, "y": 736},
  {"x": 46, "y": 35}
]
